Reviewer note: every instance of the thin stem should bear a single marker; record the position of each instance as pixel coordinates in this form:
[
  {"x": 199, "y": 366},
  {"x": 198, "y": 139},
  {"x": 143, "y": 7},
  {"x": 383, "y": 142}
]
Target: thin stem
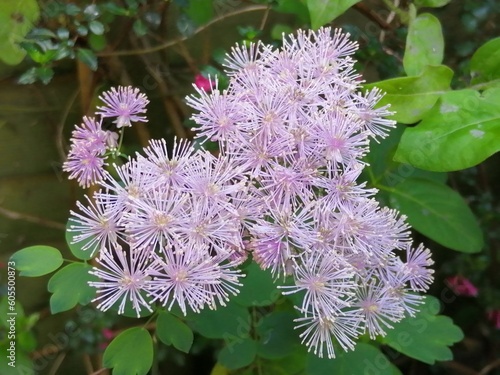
[
  {"x": 31, "y": 219},
  {"x": 173, "y": 42}
]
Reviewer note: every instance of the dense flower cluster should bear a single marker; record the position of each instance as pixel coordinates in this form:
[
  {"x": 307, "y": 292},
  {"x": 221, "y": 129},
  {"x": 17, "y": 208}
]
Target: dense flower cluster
[{"x": 293, "y": 128}]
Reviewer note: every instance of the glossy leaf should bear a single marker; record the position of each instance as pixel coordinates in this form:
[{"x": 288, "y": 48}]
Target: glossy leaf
[
  {"x": 425, "y": 337},
  {"x": 36, "y": 261},
  {"x": 277, "y": 336},
  {"x": 424, "y": 44},
  {"x": 412, "y": 97},
  {"x": 258, "y": 287},
  {"x": 237, "y": 354},
  {"x": 232, "y": 321},
  {"x": 87, "y": 57},
  {"x": 325, "y": 11},
  {"x": 485, "y": 63},
  {"x": 438, "y": 212},
  {"x": 130, "y": 353},
  {"x": 430, "y": 3},
  {"x": 461, "y": 131},
  {"x": 364, "y": 359},
  {"x": 173, "y": 331},
  {"x": 69, "y": 287}
]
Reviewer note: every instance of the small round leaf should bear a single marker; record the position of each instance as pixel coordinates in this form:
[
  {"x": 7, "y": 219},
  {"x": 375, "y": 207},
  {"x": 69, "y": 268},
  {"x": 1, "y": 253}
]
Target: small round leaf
[{"x": 37, "y": 260}]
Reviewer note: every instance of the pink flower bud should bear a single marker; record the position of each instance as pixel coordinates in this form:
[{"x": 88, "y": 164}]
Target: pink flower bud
[
  {"x": 461, "y": 286},
  {"x": 203, "y": 83}
]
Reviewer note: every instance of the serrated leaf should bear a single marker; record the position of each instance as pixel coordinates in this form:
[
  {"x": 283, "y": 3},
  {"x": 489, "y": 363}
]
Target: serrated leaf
[
  {"x": 238, "y": 354},
  {"x": 325, "y": 11},
  {"x": 364, "y": 359},
  {"x": 425, "y": 337},
  {"x": 130, "y": 353},
  {"x": 277, "y": 336},
  {"x": 485, "y": 63},
  {"x": 438, "y": 212},
  {"x": 37, "y": 260},
  {"x": 224, "y": 323},
  {"x": 424, "y": 44},
  {"x": 430, "y": 3},
  {"x": 412, "y": 97},
  {"x": 258, "y": 287},
  {"x": 87, "y": 57},
  {"x": 69, "y": 287},
  {"x": 172, "y": 331},
  {"x": 461, "y": 131}
]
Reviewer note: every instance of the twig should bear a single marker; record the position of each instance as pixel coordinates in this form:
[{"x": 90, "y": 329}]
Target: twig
[
  {"x": 60, "y": 125},
  {"x": 490, "y": 367},
  {"x": 13, "y": 215},
  {"x": 173, "y": 42},
  {"x": 57, "y": 363},
  {"x": 371, "y": 14}
]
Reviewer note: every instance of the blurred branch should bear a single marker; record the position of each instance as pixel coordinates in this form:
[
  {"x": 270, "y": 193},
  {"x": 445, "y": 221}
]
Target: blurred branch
[
  {"x": 173, "y": 42},
  {"x": 13, "y": 215}
]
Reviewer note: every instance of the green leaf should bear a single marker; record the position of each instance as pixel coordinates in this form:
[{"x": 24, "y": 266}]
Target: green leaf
[
  {"x": 232, "y": 321},
  {"x": 96, "y": 27},
  {"x": 424, "y": 44},
  {"x": 28, "y": 77},
  {"x": 16, "y": 19},
  {"x": 258, "y": 288},
  {"x": 21, "y": 362},
  {"x": 76, "y": 248},
  {"x": 97, "y": 42},
  {"x": 45, "y": 74},
  {"x": 461, "y": 131},
  {"x": 130, "y": 353},
  {"x": 438, "y": 212},
  {"x": 36, "y": 261},
  {"x": 70, "y": 287},
  {"x": 87, "y": 57},
  {"x": 364, "y": 359},
  {"x": 172, "y": 331},
  {"x": 277, "y": 336},
  {"x": 238, "y": 354},
  {"x": 279, "y": 29},
  {"x": 430, "y": 3},
  {"x": 202, "y": 11},
  {"x": 485, "y": 63},
  {"x": 296, "y": 7},
  {"x": 325, "y": 11},
  {"x": 426, "y": 336},
  {"x": 140, "y": 28},
  {"x": 412, "y": 97}
]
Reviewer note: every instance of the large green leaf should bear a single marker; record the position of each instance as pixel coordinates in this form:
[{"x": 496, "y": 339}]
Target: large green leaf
[
  {"x": 229, "y": 322},
  {"x": 258, "y": 288},
  {"x": 325, "y": 11},
  {"x": 173, "y": 331},
  {"x": 485, "y": 63},
  {"x": 426, "y": 336},
  {"x": 462, "y": 130},
  {"x": 16, "y": 19},
  {"x": 277, "y": 336},
  {"x": 296, "y": 7},
  {"x": 70, "y": 287},
  {"x": 365, "y": 359},
  {"x": 424, "y": 44},
  {"x": 237, "y": 354},
  {"x": 202, "y": 11},
  {"x": 438, "y": 212},
  {"x": 37, "y": 260},
  {"x": 412, "y": 97},
  {"x": 130, "y": 353}
]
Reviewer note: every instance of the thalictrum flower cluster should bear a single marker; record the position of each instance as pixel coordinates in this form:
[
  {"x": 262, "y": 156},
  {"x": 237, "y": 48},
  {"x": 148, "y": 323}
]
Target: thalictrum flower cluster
[{"x": 172, "y": 227}]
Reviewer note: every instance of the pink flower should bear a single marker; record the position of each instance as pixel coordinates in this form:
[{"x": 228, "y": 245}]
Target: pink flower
[
  {"x": 203, "y": 83},
  {"x": 494, "y": 317},
  {"x": 461, "y": 286}
]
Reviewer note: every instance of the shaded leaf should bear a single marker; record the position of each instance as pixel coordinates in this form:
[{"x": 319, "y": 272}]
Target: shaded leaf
[
  {"x": 69, "y": 287},
  {"x": 172, "y": 331},
  {"x": 325, "y": 11},
  {"x": 277, "y": 336},
  {"x": 485, "y": 63},
  {"x": 438, "y": 212},
  {"x": 37, "y": 260},
  {"x": 426, "y": 336},
  {"x": 130, "y": 353},
  {"x": 412, "y": 97},
  {"x": 237, "y": 354},
  {"x": 424, "y": 44},
  {"x": 461, "y": 131},
  {"x": 87, "y": 57},
  {"x": 258, "y": 287}
]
